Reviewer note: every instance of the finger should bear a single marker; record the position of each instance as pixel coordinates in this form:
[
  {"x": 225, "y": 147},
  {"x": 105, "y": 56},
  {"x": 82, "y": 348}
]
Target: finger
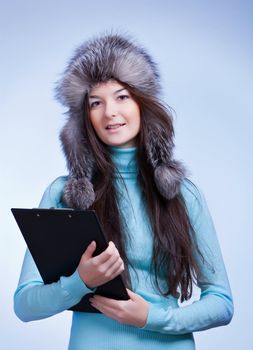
[
  {"x": 134, "y": 296},
  {"x": 107, "y": 311},
  {"x": 89, "y": 251},
  {"x": 106, "y": 254},
  {"x": 113, "y": 263},
  {"x": 115, "y": 270},
  {"x": 131, "y": 294},
  {"x": 112, "y": 308},
  {"x": 104, "y": 302}
]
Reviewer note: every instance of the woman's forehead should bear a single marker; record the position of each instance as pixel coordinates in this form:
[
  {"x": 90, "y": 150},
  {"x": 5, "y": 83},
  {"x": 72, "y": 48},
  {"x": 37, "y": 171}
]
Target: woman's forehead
[{"x": 112, "y": 86}]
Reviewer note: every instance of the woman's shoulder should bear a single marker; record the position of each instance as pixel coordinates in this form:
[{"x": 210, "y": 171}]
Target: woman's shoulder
[
  {"x": 58, "y": 184},
  {"x": 193, "y": 196},
  {"x": 53, "y": 193},
  {"x": 189, "y": 190}
]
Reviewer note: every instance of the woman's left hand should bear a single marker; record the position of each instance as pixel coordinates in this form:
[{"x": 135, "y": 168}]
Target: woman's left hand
[{"x": 133, "y": 311}]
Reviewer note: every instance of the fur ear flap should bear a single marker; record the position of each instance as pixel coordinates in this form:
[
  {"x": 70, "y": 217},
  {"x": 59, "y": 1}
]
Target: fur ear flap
[
  {"x": 168, "y": 173},
  {"x": 79, "y": 158},
  {"x": 78, "y": 191}
]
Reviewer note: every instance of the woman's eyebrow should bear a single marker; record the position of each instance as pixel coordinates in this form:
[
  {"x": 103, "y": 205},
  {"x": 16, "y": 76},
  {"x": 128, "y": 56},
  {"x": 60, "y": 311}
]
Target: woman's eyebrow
[
  {"x": 93, "y": 96},
  {"x": 115, "y": 92}
]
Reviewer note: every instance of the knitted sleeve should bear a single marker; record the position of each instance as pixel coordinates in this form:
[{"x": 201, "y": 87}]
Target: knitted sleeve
[
  {"x": 33, "y": 299},
  {"x": 215, "y": 306}
]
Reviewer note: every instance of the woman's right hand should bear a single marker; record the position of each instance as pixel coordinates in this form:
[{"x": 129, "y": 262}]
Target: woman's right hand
[{"x": 95, "y": 271}]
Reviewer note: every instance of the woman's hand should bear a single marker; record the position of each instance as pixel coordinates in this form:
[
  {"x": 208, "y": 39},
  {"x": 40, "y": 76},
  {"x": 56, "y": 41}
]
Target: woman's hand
[
  {"x": 133, "y": 311},
  {"x": 95, "y": 271}
]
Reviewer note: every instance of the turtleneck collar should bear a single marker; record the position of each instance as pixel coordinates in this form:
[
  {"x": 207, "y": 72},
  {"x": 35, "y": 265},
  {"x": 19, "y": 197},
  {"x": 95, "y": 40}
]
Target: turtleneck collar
[{"x": 125, "y": 160}]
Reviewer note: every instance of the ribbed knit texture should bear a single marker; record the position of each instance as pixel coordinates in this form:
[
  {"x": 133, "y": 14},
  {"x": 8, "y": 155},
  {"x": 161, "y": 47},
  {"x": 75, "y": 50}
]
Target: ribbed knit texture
[{"x": 168, "y": 326}]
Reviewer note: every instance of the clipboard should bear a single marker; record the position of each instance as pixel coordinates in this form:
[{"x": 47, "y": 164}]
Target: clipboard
[{"x": 57, "y": 238}]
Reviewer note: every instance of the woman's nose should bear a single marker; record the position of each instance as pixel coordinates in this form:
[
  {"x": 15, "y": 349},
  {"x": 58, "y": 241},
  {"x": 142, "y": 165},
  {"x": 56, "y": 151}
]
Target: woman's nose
[{"x": 110, "y": 110}]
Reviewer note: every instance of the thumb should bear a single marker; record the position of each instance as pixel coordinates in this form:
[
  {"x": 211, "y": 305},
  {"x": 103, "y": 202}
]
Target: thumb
[
  {"x": 133, "y": 296},
  {"x": 89, "y": 251}
]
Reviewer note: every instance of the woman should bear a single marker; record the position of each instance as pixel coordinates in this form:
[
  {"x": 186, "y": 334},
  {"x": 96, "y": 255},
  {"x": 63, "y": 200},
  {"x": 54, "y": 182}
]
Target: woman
[{"x": 118, "y": 143}]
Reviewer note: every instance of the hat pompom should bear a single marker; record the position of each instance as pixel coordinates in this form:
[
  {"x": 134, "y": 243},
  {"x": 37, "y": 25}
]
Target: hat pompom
[
  {"x": 168, "y": 178},
  {"x": 79, "y": 193}
]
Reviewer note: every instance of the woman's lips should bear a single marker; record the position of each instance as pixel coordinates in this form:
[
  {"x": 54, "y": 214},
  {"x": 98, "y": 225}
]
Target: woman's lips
[{"x": 112, "y": 127}]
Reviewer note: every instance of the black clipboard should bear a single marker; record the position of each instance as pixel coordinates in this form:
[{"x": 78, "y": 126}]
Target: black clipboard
[{"x": 57, "y": 239}]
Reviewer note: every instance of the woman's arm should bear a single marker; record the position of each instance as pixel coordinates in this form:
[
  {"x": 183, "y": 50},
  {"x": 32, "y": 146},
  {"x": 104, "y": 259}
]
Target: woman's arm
[
  {"x": 33, "y": 299},
  {"x": 215, "y": 307}
]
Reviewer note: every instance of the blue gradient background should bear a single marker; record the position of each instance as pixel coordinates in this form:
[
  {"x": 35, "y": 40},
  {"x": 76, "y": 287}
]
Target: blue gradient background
[{"x": 204, "y": 51}]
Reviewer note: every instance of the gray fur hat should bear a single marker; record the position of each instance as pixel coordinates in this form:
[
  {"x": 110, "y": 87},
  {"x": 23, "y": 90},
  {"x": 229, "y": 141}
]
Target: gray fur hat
[{"x": 110, "y": 56}]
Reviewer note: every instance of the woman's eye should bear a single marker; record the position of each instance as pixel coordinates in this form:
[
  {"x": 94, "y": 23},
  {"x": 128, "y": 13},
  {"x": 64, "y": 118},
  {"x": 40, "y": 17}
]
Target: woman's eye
[
  {"x": 123, "y": 97},
  {"x": 94, "y": 104}
]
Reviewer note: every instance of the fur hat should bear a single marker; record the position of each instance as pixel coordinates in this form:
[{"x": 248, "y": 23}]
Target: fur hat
[{"x": 110, "y": 56}]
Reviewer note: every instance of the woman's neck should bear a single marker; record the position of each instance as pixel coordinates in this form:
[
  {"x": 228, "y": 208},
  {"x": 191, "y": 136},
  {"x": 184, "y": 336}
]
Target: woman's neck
[{"x": 125, "y": 160}]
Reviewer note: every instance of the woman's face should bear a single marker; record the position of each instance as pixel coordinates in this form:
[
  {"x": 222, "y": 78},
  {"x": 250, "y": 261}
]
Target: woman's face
[{"x": 114, "y": 114}]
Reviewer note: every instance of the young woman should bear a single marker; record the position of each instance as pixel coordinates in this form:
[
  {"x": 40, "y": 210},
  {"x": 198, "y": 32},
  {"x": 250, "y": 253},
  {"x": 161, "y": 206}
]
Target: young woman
[{"x": 118, "y": 143}]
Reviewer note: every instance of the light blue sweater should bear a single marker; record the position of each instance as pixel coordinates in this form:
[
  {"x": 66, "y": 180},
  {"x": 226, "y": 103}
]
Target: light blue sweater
[{"x": 168, "y": 326}]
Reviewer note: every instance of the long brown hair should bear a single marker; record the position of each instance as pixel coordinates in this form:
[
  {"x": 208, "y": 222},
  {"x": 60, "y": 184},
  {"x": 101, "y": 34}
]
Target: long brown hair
[{"x": 175, "y": 248}]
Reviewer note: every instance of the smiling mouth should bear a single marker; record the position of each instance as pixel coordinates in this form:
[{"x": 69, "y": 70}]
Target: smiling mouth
[{"x": 114, "y": 126}]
